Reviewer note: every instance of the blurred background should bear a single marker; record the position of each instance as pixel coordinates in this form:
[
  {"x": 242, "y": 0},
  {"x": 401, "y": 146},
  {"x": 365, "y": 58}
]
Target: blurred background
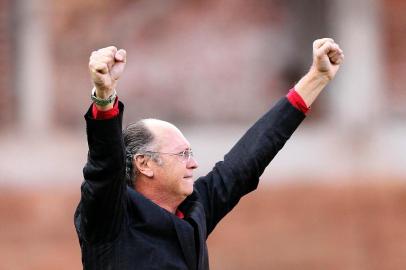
[{"x": 334, "y": 197}]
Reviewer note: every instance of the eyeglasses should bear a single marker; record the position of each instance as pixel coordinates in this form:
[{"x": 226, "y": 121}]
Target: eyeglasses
[{"x": 185, "y": 155}]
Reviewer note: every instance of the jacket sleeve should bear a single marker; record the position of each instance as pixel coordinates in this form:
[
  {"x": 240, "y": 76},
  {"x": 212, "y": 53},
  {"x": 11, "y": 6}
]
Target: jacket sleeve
[
  {"x": 239, "y": 173},
  {"x": 103, "y": 190}
]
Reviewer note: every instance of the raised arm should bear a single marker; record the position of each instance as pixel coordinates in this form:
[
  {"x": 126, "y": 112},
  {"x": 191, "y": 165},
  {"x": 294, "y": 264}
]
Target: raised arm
[
  {"x": 239, "y": 173},
  {"x": 100, "y": 211}
]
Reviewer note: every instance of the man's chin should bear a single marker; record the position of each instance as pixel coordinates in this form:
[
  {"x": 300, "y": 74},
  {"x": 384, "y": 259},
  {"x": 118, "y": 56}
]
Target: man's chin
[
  {"x": 188, "y": 185},
  {"x": 188, "y": 180}
]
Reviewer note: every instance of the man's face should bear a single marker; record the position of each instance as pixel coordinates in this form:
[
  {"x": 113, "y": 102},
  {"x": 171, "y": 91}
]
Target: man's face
[{"x": 175, "y": 173}]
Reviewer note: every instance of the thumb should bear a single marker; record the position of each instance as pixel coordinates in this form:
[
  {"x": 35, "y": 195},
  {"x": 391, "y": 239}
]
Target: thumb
[
  {"x": 121, "y": 56},
  {"x": 119, "y": 65},
  {"x": 117, "y": 70}
]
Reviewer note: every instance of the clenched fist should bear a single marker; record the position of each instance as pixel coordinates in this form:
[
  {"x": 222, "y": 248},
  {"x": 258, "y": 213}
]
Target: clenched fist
[
  {"x": 327, "y": 57},
  {"x": 106, "y": 66}
]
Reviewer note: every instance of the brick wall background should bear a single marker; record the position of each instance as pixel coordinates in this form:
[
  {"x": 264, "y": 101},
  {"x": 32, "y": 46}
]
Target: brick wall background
[
  {"x": 308, "y": 226},
  {"x": 395, "y": 37}
]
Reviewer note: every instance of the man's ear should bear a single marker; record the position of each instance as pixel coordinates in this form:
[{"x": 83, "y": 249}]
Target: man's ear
[{"x": 142, "y": 165}]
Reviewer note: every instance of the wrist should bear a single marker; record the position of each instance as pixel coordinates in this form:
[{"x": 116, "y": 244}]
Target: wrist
[
  {"x": 102, "y": 93},
  {"x": 102, "y": 100},
  {"x": 317, "y": 76},
  {"x": 106, "y": 112},
  {"x": 310, "y": 86}
]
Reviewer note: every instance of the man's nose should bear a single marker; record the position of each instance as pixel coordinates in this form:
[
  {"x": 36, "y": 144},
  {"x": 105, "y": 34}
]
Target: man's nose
[{"x": 192, "y": 163}]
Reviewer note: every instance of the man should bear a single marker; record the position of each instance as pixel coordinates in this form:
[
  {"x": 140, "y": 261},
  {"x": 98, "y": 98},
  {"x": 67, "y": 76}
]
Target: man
[{"x": 140, "y": 207}]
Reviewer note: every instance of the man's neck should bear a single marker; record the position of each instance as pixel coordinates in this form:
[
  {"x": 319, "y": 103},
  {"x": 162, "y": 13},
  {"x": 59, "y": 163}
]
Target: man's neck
[{"x": 162, "y": 199}]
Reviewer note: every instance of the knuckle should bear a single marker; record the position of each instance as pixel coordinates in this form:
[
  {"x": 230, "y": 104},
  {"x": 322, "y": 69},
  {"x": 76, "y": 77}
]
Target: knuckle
[
  {"x": 109, "y": 50},
  {"x": 102, "y": 51},
  {"x": 98, "y": 66},
  {"x": 102, "y": 59},
  {"x": 107, "y": 55},
  {"x": 112, "y": 48},
  {"x": 93, "y": 55},
  {"x": 92, "y": 64},
  {"x": 102, "y": 65}
]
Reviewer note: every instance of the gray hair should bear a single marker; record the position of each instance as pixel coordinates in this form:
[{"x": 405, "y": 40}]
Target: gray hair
[{"x": 138, "y": 140}]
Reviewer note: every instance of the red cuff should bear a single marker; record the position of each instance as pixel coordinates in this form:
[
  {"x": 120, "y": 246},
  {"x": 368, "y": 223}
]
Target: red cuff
[
  {"x": 104, "y": 115},
  {"x": 297, "y": 101}
]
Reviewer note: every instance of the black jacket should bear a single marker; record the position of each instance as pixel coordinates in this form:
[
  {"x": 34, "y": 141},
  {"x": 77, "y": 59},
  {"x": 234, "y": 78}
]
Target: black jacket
[{"x": 120, "y": 229}]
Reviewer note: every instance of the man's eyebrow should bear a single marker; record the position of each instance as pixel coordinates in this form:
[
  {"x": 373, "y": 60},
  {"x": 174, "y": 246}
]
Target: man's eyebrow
[{"x": 184, "y": 148}]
